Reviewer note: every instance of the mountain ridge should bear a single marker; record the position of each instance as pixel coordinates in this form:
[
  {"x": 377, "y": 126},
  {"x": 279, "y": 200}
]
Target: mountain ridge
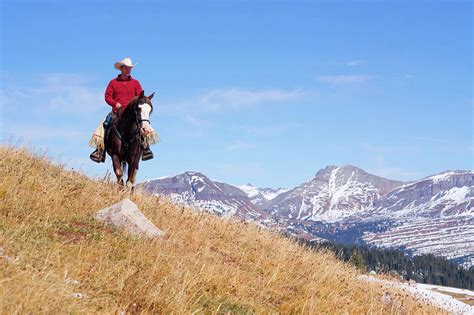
[{"x": 346, "y": 203}]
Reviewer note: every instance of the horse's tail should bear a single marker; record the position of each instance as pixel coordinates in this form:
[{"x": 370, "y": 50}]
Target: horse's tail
[{"x": 124, "y": 167}]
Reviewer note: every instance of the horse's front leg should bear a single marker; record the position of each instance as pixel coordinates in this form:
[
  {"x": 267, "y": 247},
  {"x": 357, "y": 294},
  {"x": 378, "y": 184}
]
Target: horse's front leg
[
  {"x": 133, "y": 168},
  {"x": 118, "y": 169}
]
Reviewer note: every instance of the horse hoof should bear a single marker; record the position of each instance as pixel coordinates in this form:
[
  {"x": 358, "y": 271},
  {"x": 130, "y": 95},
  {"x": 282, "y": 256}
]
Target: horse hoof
[{"x": 130, "y": 186}]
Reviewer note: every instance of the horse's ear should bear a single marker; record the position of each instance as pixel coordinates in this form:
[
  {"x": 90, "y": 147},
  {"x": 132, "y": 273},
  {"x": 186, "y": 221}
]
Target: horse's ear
[
  {"x": 151, "y": 96},
  {"x": 142, "y": 94}
]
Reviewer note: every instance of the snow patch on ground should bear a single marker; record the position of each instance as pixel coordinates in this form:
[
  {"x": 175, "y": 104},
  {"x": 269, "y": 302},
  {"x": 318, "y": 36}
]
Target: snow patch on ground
[
  {"x": 457, "y": 195},
  {"x": 430, "y": 294}
]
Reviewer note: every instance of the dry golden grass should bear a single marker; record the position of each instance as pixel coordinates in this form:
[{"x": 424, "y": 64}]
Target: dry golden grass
[{"x": 56, "y": 258}]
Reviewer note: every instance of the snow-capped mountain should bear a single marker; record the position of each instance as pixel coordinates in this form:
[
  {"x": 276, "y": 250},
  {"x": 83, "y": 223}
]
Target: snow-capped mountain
[
  {"x": 334, "y": 193},
  {"x": 433, "y": 215},
  {"x": 446, "y": 194},
  {"x": 199, "y": 191},
  {"x": 261, "y": 196},
  {"x": 346, "y": 204}
]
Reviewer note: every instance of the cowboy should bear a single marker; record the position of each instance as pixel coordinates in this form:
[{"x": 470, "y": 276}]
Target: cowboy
[{"x": 118, "y": 94}]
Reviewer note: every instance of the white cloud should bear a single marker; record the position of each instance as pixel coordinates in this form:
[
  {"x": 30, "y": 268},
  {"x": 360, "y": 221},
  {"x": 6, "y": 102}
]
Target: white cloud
[
  {"x": 237, "y": 98},
  {"x": 270, "y": 130},
  {"x": 6, "y": 99},
  {"x": 381, "y": 167},
  {"x": 391, "y": 149},
  {"x": 354, "y": 63},
  {"x": 238, "y": 171},
  {"x": 55, "y": 80},
  {"x": 77, "y": 100},
  {"x": 239, "y": 145},
  {"x": 344, "y": 79},
  {"x": 233, "y": 98},
  {"x": 54, "y": 93},
  {"x": 196, "y": 122},
  {"x": 38, "y": 133},
  {"x": 433, "y": 139},
  {"x": 192, "y": 134}
]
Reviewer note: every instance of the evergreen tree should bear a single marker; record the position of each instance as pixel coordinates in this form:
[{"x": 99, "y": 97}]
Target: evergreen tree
[
  {"x": 357, "y": 260},
  {"x": 423, "y": 268}
]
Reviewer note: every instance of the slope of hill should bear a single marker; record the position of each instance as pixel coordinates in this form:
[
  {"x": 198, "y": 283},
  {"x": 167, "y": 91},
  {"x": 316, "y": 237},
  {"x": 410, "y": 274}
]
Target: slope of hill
[{"x": 56, "y": 259}]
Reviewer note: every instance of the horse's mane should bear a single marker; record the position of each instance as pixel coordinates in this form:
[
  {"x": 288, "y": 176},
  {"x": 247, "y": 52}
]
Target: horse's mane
[
  {"x": 134, "y": 101},
  {"x": 131, "y": 106}
]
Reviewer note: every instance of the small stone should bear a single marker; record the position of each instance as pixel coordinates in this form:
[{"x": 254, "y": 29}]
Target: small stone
[
  {"x": 79, "y": 295},
  {"x": 386, "y": 298},
  {"x": 10, "y": 260},
  {"x": 71, "y": 281}
]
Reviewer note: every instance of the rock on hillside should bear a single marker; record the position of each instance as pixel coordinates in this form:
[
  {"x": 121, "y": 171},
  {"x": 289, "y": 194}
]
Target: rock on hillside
[{"x": 126, "y": 215}]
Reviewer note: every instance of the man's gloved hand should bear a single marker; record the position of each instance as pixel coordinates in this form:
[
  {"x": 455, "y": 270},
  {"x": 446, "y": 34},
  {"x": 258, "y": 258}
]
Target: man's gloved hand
[{"x": 118, "y": 106}]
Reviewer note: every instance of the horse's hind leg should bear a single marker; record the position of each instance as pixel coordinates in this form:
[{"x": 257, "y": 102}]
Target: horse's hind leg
[
  {"x": 118, "y": 169},
  {"x": 132, "y": 172}
]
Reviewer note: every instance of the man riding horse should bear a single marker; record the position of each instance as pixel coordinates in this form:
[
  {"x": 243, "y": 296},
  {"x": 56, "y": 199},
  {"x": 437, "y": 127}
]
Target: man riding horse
[{"x": 118, "y": 94}]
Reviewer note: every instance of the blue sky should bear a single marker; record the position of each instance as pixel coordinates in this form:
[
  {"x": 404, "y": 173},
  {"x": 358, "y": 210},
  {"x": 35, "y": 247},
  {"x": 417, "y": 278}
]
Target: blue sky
[{"x": 249, "y": 92}]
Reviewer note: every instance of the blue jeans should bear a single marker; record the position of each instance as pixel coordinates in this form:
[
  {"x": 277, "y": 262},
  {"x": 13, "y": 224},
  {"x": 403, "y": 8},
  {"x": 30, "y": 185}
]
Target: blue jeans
[{"x": 108, "y": 120}]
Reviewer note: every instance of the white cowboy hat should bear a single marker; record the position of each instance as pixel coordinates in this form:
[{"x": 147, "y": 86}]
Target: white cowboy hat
[{"x": 125, "y": 62}]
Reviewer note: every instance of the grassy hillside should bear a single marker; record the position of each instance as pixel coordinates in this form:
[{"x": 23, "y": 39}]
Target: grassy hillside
[{"x": 55, "y": 257}]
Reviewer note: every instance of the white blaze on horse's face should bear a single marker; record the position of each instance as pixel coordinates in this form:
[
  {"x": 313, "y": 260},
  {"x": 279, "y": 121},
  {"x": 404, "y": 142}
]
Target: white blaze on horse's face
[{"x": 145, "y": 110}]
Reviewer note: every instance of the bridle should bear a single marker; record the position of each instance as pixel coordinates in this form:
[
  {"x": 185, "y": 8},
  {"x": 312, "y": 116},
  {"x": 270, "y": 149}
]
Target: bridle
[{"x": 138, "y": 117}]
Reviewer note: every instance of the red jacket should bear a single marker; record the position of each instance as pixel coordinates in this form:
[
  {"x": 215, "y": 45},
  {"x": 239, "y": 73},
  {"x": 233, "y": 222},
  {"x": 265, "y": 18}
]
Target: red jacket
[{"x": 121, "y": 91}]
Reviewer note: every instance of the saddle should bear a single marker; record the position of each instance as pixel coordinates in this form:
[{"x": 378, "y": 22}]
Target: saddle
[
  {"x": 106, "y": 126},
  {"x": 110, "y": 125}
]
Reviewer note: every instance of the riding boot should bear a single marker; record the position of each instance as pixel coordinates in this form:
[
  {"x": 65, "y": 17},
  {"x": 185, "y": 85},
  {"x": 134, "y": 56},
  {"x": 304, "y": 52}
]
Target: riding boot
[
  {"x": 98, "y": 156},
  {"x": 147, "y": 154}
]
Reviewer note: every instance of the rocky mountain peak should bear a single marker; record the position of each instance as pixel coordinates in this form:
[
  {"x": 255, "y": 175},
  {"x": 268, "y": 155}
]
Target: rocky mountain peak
[
  {"x": 196, "y": 189},
  {"x": 335, "y": 192}
]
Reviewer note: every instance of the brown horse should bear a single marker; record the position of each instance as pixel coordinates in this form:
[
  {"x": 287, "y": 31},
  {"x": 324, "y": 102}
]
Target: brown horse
[{"x": 125, "y": 135}]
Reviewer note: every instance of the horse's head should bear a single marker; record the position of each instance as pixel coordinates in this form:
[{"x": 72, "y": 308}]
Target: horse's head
[{"x": 143, "y": 110}]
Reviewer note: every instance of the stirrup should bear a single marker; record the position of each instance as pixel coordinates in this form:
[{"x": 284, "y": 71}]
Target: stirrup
[
  {"x": 97, "y": 156},
  {"x": 147, "y": 155}
]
